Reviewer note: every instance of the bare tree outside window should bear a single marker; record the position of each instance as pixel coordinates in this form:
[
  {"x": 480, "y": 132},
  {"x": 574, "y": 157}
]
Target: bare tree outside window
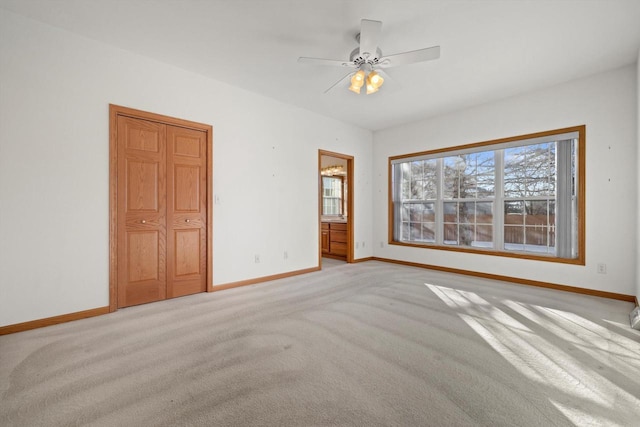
[{"x": 530, "y": 192}]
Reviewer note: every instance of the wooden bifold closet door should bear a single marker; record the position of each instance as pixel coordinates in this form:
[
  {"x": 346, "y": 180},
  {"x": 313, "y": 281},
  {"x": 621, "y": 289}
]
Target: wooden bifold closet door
[{"x": 162, "y": 211}]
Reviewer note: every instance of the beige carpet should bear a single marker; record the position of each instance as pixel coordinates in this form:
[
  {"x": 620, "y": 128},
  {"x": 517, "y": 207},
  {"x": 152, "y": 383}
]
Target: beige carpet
[{"x": 370, "y": 344}]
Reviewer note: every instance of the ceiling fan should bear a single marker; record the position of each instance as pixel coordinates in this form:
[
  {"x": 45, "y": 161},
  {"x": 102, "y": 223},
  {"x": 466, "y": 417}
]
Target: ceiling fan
[{"x": 368, "y": 62}]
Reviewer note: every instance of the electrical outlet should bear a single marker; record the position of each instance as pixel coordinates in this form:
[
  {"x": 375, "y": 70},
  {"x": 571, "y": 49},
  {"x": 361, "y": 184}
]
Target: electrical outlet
[
  {"x": 362, "y": 245},
  {"x": 602, "y": 268},
  {"x": 257, "y": 259},
  {"x": 357, "y": 245},
  {"x": 286, "y": 255},
  {"x": 382, "y": 244}
]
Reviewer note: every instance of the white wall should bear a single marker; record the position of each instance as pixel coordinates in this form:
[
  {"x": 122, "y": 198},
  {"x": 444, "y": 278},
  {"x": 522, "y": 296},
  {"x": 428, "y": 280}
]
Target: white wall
[
  {"x": 606, "y": 104},
  {"x": 638, "y": 179},
  {"x": 55, "y": 88}
]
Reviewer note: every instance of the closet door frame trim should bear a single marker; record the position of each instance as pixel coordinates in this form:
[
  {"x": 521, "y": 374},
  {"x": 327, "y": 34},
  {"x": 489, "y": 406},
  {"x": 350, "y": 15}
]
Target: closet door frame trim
[{"x": 114, "y": 112}]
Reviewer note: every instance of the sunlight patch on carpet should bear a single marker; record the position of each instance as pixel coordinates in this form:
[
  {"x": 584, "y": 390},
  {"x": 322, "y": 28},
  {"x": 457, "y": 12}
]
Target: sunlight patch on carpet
[{"x": 534, "y": 340}]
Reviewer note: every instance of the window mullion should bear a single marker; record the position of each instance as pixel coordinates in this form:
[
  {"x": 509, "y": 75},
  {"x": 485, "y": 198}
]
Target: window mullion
[
  {"x": 397, "y": 202},
  {"x": 439, "y": 205},
  {"x": 498, "y": 214}
]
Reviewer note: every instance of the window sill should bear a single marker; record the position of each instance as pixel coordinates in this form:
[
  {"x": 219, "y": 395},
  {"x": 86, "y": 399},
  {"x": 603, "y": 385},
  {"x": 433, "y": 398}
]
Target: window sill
[{"x": 510, "y": 254}]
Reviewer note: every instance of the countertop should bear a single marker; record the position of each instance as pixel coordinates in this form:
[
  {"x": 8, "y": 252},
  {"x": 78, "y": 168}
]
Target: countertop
[{"x": 338, "y": 220}]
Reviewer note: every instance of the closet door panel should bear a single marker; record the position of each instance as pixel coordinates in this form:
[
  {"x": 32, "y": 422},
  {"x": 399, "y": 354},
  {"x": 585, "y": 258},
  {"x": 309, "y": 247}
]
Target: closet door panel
[
  {"x": 187, "y": 211},
  {"x": 141, "y": 211}
]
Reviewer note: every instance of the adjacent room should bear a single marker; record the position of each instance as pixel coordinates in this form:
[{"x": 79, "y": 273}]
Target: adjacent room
[{"x": 357, "y": 212}]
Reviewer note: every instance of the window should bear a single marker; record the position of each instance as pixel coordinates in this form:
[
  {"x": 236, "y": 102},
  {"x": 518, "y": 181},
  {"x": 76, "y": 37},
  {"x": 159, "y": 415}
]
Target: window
[
  {"x": 521, "y": 197},
  {"x": 332, "y": 195}
]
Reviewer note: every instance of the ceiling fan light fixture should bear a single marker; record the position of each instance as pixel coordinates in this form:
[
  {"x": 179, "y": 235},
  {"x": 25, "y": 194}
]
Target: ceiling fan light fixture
[
  {"x": 375, "y": 79},
  {"x": 357, "y": 81},
  {"x": 358, "y": 78}
]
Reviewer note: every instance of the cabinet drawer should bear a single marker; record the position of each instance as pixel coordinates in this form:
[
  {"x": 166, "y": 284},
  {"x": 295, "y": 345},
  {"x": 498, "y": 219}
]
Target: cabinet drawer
[
  {"x": 338, "y": 248},
  {"x": 338, "y": 226},
  {"x": 338, "y": 236},
  {"x": 324, "y": 226}
]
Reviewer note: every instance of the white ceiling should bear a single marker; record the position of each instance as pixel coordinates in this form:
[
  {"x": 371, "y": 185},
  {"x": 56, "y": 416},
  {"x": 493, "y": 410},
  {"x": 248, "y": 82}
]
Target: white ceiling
[{"x": 490, "y": 49}]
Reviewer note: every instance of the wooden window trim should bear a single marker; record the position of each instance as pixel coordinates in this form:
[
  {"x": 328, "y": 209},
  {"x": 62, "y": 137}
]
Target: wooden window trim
[{"x": 580, "y": 192}]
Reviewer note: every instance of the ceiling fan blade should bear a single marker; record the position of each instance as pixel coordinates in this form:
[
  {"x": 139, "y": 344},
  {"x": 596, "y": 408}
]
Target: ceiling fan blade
[
  {"x": 331, "y": 62},
  {"x": 369, "y": 36},
  {"x": 339, "y": 82},
  {"x": 405, "y": 58}
]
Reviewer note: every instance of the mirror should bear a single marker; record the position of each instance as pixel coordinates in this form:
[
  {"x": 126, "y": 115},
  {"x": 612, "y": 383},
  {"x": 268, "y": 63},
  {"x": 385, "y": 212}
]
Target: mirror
[{"x": 332, "y": 195}]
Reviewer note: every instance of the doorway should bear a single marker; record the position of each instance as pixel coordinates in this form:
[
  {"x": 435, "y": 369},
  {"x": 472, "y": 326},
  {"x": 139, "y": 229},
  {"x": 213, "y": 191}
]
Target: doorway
[
  {"x": 335, "y": 200},
  {"x": 160, "y": 207}
]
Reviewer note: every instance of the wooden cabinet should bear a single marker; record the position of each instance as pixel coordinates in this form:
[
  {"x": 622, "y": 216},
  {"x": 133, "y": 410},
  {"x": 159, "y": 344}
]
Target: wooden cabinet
[
  {"x": 324, "y": 236},
  {"x": 334, "y": 239},
  {"x": 338, "y": 239}
]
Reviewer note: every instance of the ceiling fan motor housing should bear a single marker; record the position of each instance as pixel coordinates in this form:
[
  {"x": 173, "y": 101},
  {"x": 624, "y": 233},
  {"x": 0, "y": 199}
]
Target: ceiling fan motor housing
[{"x": 358, "y": 59}]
